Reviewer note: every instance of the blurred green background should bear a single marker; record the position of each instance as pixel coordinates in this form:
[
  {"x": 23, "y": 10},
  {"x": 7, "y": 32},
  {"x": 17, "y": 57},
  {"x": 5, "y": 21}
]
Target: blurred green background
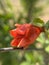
[{"x": 24, "y": 11}]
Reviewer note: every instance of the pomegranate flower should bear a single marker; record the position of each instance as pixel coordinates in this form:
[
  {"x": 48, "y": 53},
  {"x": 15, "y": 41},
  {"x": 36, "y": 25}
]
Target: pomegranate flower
[{"x": 25, "y": 34}]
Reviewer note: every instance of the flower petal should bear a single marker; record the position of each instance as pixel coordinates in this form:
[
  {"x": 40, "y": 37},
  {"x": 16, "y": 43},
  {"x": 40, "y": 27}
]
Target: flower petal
[
  {"x": 21, "y": 30},
  {"x": 13, "y": 32},
  {"x": 24, "y": 35},
  {"x": 23, "y": 43},
  {"x": 17, "y": 25},
  {"x": 34, "y": 34},
  {"x": 14, "y": 43}
]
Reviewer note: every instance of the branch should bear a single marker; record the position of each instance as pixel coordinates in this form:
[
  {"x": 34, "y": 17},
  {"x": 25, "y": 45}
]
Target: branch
[{"x": 12, "y": 48}]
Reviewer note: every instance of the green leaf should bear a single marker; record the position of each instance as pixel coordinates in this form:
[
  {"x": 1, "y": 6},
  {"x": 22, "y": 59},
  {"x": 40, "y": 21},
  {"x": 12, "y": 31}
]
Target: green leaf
[
  {"x": 29, "y": 57},
  {"x": 28, "y": 3},
  {"x": 41, "y": 38},
  {"x": 47, "y": 32},
  {"x": 47, "y": 25},
  {"x": 38, "y": 22},
  {"x": 6, "y": 28},
  {"x": 47, "y": 41},
  {"x": 6, "y": 16},
  {"x": 47, "y": 49},
  {"x": 25, "y": 63},
  {"x": 9, "y": 4}
]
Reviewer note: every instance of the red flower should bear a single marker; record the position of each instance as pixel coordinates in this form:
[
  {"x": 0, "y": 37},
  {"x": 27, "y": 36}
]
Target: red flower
[{"x": 25, "y": 34}]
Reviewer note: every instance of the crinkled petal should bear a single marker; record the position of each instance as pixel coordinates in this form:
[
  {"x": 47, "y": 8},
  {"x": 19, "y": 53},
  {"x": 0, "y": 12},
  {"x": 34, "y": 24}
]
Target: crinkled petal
[
  {"x": 23, "y": 43},
  {"x": 17, "y": 25},
  {"x": 34, "y": 34},
  {"x": 24, "y": 35},
  {"x": 14, "y": 42},
  {"x": 13, "y": 32},
  {"x": 21, "y": 30}
]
